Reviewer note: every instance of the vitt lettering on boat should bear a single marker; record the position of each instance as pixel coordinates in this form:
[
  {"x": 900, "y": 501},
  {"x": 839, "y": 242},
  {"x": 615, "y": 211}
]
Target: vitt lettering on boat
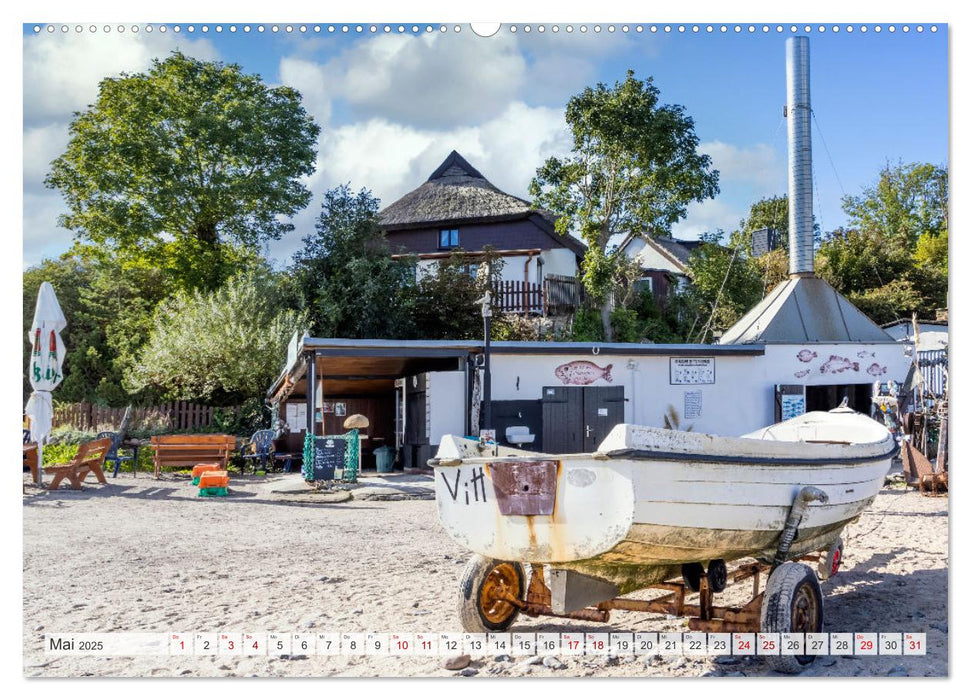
[{"x": 473, "y": 488}]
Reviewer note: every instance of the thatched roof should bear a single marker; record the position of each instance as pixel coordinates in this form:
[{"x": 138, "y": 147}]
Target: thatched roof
[{"x": 455, "y": 193}]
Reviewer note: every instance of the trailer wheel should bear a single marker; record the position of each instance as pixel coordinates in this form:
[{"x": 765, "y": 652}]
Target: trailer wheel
[
  {"x": 793, "y": 602},
  {"x": 482, "y": 594},
  {"x": 829, "y": 565},
  {"x": 691, "y": 575},
  {"x": 717, "y": 575}
]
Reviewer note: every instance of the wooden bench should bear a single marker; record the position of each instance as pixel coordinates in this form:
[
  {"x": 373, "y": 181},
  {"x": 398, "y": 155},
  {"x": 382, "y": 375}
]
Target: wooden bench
[
  {"x": 190, "y": 450},
  {"x": 88, "y": 460}
]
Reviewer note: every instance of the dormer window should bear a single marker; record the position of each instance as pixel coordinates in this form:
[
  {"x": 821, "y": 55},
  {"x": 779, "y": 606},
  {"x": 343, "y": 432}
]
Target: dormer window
[{"x": 448, "y": 238}]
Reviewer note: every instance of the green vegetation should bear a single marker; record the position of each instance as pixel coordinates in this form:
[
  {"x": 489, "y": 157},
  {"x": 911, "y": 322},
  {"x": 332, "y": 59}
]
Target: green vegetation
[
  {"x": 635, "y": 167},
  {"x": 185, "y": 168}
]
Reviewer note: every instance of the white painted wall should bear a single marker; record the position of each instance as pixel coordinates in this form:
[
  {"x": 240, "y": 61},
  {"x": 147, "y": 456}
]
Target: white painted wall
[
  {"x": 649, "y": 258},
  {"x": 741, "y": 399},
  {"x": 446, "y": 405},
  {"x": 559, "y": 261}
]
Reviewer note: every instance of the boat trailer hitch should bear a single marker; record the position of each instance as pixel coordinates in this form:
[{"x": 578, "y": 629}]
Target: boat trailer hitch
[{"x": 806, "y": 495}]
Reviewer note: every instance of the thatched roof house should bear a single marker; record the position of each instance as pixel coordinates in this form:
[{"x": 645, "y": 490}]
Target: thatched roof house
[{"x": 457, "y": 208}]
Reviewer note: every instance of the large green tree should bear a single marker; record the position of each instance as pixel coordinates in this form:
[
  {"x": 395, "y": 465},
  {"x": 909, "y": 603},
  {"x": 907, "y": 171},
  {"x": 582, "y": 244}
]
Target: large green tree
[
  {"x": 891, "y": 260},
  {"x": 634, "y": 168},
  {"x": 179, "y": 167},
  {"x": 221, "y": 347},
  {"x": 345, "y": 277}
]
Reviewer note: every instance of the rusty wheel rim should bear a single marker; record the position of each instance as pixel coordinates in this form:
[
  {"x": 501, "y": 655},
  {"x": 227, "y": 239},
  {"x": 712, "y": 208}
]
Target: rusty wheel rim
[
  {"x": 500, "y": 584},
  {"x": 805, "y": 610}
]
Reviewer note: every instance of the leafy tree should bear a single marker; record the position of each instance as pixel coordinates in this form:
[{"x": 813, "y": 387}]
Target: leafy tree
[
  {"x": 168, "y": 168},
  {"x": 906, "y": 202},
  {"x": 109, "y": 313},
  {"x": 223, "y": 346},
  {"x": 447, "y": 296},
  {"x": 725, "y": 284},
  {"x": 345, "y": 277},
  {"x": 635, "y": 167}
]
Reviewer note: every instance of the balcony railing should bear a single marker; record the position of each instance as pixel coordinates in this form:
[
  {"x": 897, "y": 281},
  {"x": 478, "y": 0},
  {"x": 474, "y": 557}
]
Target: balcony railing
[{"x": 557, "y": 294}]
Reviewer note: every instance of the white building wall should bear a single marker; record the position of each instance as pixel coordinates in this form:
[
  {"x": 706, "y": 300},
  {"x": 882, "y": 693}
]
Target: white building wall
[
  {"x": 742, "y": 397},
  {"x": 446, "y": 405},
  {"x": 739, "y": 401},
  {"x": 836, "y": 363},
  {"x": 559, "y": 261}
]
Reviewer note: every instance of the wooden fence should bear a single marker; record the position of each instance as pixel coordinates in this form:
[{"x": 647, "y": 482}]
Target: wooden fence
[
  {"x": 174, "y": 415},
  {"x": 557, "y": 294}
]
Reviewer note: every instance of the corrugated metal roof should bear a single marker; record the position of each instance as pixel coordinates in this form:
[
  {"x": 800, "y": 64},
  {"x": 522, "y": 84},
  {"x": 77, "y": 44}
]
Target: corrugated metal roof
[{"x": 805, "y": 310}]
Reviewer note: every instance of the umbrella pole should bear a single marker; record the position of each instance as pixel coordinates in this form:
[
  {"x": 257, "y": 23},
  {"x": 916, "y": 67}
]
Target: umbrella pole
[{"x": 40, "y": 463}]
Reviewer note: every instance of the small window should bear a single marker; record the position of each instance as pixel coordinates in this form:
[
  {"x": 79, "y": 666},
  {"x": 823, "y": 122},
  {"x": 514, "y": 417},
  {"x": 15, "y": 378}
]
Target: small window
[
  {"x": 448, "y": 238},
  {"x": 644, "y": 284}
]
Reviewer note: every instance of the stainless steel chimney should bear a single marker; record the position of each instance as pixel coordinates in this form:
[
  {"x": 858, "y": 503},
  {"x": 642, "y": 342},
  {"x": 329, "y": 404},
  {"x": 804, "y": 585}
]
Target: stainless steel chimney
[{"x": 798, "y": 115}]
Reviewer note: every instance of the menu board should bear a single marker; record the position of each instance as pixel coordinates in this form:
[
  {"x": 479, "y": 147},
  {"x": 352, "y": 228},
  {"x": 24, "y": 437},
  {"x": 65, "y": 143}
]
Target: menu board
[{"x": 330, "y": 456}]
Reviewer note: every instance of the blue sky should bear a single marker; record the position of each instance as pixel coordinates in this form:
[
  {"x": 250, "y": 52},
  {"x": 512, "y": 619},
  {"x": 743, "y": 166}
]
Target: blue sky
[{"x": 392, "y": 107}]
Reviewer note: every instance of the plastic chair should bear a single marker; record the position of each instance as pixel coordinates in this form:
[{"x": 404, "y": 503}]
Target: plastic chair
[
  {"x": 260, "y": 446},
  {"x": 113, "y": 456}
]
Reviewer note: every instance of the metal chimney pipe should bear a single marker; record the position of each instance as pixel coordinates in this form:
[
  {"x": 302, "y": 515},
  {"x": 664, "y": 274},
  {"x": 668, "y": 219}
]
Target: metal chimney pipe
[{"x": 798, "y": 114}]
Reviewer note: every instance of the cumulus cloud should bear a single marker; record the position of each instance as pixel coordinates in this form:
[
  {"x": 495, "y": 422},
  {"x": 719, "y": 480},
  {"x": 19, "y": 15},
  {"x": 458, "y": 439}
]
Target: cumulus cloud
[
  {"x": 761, "y": 165},
  {"x": 42, "y": 144},
  {"x": 313, "y": 83},
  {"x": 708, "y": 216},
  {"x": 431, "y": 80},
  {"x": 42, "y": 236},
  {"x": 62, "y": 71}
]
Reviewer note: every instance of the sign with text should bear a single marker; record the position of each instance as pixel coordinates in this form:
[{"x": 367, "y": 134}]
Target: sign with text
[{"x": 692, "y": 370}]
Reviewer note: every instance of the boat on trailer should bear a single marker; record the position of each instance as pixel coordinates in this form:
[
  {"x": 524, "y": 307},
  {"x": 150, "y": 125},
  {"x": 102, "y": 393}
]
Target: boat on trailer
[{"x": 662, "y": 509}]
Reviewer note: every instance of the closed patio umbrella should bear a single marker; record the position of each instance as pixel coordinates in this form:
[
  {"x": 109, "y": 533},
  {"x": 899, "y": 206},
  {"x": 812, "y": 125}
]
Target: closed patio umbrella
[{"x": 46, "y": 359}]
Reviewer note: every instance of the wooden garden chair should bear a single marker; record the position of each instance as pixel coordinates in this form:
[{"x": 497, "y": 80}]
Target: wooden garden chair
[{"x": 88, "y": 460}]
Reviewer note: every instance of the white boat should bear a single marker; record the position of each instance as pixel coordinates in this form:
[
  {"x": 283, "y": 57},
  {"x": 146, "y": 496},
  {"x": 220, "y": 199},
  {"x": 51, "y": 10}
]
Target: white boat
[{"x": 650, "y": 500}]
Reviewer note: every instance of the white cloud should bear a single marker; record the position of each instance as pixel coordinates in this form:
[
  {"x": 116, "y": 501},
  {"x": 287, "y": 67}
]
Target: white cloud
[
  {"x": 313, "y": 83},
  {"x": 432, "y": 80},
  {"x": 42, "y": 144},
  {"x": 42, "y": 236},
  {"x": 760, "y": 165},
  {"x": 62, "y": 71},
  {"x": 708, "y": 216}
]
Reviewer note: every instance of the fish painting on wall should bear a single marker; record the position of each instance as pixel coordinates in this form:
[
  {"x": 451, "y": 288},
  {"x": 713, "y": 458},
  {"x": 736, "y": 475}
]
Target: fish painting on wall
[
  {"x": 876, "y": 370},
  {"x": 582, "y": 372},
  {"x": 837, "y": 364},
  {"x": 805, "y": 355}
]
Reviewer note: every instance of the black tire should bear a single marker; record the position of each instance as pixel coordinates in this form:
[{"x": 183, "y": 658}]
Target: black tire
[
  {"x": 479, "y": 610},
  {"x": 793, "y": 602},
  {"x": 717, "y": 575},
  {"x": 691, "y": 575},
  {"x": 830, "y": 564}
]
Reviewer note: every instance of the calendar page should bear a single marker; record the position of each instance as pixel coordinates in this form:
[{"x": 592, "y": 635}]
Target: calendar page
[{"x": 423, "y": 226}]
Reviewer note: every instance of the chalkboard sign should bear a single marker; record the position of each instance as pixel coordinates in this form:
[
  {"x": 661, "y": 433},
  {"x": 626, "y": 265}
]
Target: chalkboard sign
[{"x": 330, "y": 457}]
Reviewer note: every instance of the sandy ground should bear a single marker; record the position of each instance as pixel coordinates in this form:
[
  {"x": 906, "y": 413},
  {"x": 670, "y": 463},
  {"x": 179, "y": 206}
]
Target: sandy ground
[{"x": 146, "y": 555}]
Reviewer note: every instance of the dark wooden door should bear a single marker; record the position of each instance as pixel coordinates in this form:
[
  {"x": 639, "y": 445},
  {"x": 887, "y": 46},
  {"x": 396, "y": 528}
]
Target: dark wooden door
[
  {"x": 603, "y": 408},
  {"x": 562, "y": 419}
]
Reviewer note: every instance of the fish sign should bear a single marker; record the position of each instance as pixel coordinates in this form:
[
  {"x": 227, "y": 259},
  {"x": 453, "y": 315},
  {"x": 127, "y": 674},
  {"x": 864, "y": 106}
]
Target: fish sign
[{"x": 582, "y": 372}]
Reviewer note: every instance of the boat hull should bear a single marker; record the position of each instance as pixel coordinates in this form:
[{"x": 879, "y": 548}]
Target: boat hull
[{"x": 673, "y": 499}]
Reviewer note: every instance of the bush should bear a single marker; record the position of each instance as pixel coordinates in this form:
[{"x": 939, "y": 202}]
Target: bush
[
  {"x": 627, "y": 325},
  {"x": 587, "y": 326},
  {"x": 251, "y": 416}
]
